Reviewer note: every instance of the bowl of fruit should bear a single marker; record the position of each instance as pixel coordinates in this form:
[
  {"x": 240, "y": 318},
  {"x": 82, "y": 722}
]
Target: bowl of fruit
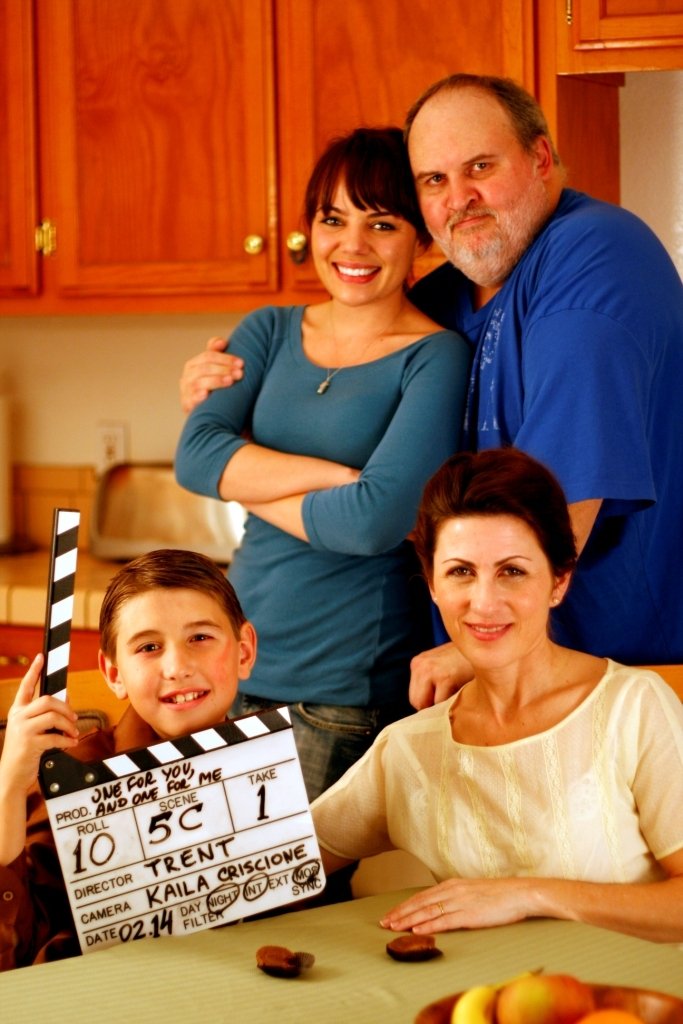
[{"x": 537, "y": 998}]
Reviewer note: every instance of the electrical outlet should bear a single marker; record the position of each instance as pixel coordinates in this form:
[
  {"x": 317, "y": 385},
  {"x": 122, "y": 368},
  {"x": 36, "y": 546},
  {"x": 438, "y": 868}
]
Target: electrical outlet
[{"x": 111, "y": 445}]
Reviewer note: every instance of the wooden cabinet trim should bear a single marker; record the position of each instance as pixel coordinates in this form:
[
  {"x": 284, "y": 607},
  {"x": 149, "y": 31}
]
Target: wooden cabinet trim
[{"x": 19, "y": 215}]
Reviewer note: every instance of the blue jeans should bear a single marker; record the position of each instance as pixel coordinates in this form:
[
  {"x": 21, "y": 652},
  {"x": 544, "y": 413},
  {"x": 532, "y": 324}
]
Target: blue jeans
[{"x": 329, "y": 738}]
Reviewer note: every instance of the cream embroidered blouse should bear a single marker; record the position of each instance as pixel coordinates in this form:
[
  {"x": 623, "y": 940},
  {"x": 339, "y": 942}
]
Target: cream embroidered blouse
[{"x": 598, "y": 797}]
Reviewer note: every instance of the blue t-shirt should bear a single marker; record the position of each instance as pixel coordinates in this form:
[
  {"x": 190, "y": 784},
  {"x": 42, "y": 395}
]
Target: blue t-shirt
[
  {"x": 578, "y": 360},
  {"x": 335, "y": 617}
]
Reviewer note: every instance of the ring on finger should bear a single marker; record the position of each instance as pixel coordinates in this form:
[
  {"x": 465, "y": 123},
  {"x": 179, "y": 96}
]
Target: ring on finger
[{"x": 441, "y": 910}]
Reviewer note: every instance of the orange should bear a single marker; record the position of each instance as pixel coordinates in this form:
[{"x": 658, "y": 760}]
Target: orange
[{"x": 608, "y": 1016}]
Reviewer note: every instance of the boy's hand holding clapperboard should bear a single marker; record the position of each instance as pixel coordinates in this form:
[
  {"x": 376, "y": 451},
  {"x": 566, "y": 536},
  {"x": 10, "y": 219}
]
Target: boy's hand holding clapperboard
[{"x": 180, "y": 836}]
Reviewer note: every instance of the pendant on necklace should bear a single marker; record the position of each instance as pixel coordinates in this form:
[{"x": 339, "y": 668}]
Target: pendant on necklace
[{"x": 324, "y": 385}]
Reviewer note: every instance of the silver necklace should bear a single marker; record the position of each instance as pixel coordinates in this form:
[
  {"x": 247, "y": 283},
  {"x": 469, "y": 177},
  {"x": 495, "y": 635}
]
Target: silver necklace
[
  {"x": 324, "y": 384},
  {"x": 329, "y": 374}
]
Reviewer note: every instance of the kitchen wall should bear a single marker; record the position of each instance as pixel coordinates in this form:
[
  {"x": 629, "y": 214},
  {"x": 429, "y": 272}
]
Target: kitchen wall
[
  {"x": 67, "y": 374},
  {"x": 651, "y": 121}
]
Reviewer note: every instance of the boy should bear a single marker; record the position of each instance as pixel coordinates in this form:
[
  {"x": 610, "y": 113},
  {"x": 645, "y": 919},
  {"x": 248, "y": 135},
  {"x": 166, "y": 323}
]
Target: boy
[{"x": 175, "y": 642}]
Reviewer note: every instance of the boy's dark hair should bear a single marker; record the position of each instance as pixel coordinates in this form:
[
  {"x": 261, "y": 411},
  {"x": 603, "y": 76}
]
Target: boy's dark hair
[
  {"x": 171, "y": 569},
  {"x": 373, "y": 165},
  {"x": 497, "y": 482}
]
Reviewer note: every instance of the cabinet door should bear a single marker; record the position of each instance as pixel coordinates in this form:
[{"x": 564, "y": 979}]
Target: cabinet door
[
  {"x": 341, "y": 65},
  {"x": 18, "y": 199},
  {"x": 20, "y": 644},
  {"x": 621, "y": 35},
  {"x": 158, "y": 145}
]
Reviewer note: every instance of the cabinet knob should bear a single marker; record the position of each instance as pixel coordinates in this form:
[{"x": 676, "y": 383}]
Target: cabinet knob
[
  {"x": 297, "y": 243},
  {"x": 254, "y": 244},
  {"x": 46, "y": 238}
]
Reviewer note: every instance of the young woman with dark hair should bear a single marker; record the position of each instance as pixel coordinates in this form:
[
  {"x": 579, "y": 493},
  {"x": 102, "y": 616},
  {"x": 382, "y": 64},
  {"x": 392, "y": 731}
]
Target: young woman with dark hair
[{"x": 344, "y": 410}]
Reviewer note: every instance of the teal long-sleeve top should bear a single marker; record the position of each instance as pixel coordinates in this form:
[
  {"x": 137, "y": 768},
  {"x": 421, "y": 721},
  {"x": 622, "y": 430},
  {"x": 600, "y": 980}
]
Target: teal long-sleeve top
[{"x": 336, "y": 616}]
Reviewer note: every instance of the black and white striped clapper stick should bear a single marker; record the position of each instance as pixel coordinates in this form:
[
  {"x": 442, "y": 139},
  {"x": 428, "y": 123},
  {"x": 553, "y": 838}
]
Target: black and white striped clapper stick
[{"x": 60, "y": 602}]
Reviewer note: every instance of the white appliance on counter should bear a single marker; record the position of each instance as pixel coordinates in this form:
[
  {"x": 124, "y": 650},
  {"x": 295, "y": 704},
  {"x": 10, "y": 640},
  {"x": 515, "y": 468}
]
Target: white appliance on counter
[{"x": 139, "y": 507}]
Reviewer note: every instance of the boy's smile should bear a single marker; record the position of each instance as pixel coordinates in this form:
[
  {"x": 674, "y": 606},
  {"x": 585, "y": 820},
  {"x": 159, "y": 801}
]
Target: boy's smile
[{"x": 178, "y": 660}]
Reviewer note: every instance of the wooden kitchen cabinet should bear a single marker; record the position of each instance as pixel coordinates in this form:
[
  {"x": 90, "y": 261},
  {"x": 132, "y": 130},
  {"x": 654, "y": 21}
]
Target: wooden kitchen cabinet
[
  {"x": 156, "y": 148},
  {"x": 619, "y": 35},
  {"x": 353, "y": 63},
  {"x": 20, "y": 644},
  {"x": 159, "y": 124},
  {"x": 171, "y": 131}
]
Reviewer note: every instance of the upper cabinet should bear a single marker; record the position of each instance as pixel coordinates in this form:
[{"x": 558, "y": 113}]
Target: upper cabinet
[
  {"x": 619, "y": 35},
  {"x": 154, "y": 154},
  {"x": 157, "y": 157},
  {"x": 341, "y": 65},
  {"x": 156, "y": 150},
  {"x": 164, "y": 145}
]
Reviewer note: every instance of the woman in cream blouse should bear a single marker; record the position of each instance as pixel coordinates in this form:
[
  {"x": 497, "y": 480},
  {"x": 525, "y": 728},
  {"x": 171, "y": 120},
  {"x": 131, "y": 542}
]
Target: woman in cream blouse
[{"x": 551, "y": 784}]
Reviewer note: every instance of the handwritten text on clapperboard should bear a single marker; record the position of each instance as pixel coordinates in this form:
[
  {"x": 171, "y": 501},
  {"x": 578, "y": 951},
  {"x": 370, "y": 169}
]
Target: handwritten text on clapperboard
[{"x": 188, "y": 843}]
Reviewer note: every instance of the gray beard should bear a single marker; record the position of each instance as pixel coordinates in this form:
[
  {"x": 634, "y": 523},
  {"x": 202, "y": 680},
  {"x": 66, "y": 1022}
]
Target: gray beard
[{"x": 490, "y": 263}]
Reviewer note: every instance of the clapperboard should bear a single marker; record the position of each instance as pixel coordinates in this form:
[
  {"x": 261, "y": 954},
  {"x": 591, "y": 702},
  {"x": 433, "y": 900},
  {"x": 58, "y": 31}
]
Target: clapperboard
[
  {"x": 60, "y": 601},
  {"x": 186, "y": 834}
]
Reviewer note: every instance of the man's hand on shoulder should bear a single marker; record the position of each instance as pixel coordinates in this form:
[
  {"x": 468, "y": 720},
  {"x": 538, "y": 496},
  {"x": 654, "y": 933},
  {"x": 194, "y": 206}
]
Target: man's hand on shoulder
[
  {"x": 436, "y": 674},
  {"x": 213, "y": 368}
]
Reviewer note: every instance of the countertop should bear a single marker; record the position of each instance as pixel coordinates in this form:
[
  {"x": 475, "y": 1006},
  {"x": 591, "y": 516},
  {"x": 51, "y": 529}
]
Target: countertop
[{"x": 24, "y": 581}]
